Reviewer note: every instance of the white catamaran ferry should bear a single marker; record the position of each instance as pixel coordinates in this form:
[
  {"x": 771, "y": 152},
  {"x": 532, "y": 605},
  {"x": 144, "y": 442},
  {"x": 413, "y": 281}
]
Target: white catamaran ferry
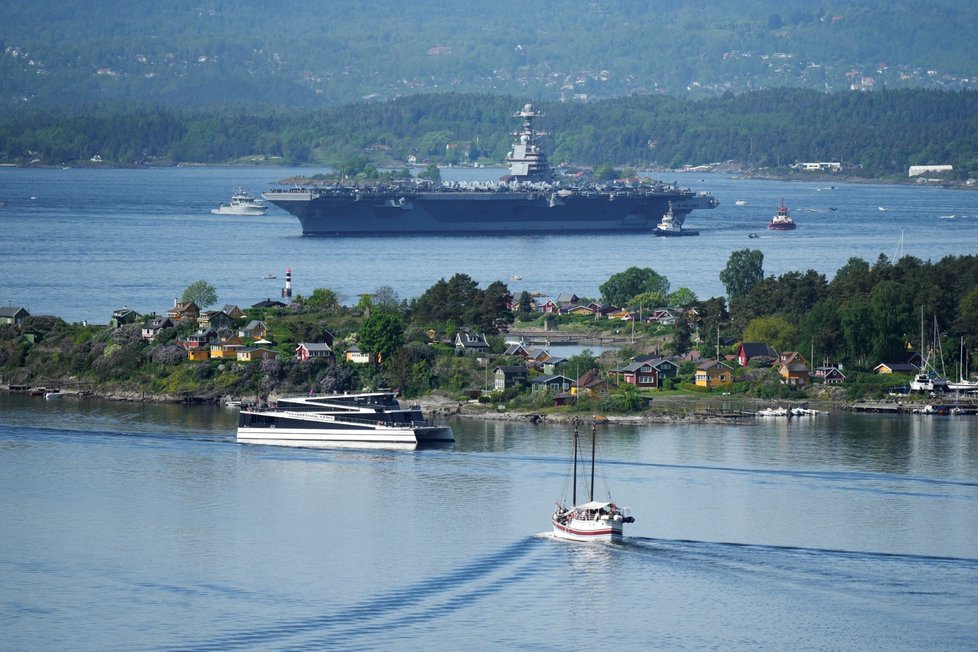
[{"x": 366, "y": 420}]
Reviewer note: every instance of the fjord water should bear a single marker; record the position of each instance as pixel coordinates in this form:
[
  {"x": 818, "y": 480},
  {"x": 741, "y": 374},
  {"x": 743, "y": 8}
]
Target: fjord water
[
  {"x": 145, "y": 527},
  {"x": 80, "y": 243},
  {"x": 130, "y": 527}
]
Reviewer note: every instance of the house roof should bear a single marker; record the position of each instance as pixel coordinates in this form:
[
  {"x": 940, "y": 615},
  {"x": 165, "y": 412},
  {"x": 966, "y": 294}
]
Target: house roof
[
  {"x": 796, "y": 367},
  {"x": 472, "y": 340},
  {"x": 12, "y": 311},
  {"x": 636, "y": 365},
  {"x": 511, "y": 369},
  {"x": 903, "y": 367},
  {"x": 712, "y": 364},
  {"x": 829, "y": 371},
  {"x": 314, "y": 346},
  {"x": 754, "y": 349},
  {"x": 253, "y": 324},
  {"x": 268, "y": 303},
  {"x": 546, "y": 378},
  {"x": 589, "y": 379}
]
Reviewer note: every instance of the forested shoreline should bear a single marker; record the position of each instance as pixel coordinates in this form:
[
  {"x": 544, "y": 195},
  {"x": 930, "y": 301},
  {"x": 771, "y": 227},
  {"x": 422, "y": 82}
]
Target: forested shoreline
[
  {"x": 868, "y": 314},
  {"x": 872, "y": 135}
]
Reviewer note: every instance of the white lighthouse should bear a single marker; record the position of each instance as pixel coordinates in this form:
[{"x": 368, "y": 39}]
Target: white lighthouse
[{"x": 287, "y": 290}]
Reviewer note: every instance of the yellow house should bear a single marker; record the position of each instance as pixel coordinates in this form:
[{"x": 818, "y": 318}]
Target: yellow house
[
  {"x": 250, "y": 354},
  {"x": 712, "y": 374},
  {"x": 356, "y": 356},
  {"x": 794, "y": 374},
  {"x": 198, "y": 353},
  {"x": 227, "y": 348},
  {"x": 590, "y": 385},
  {"x": 581, "y": 310}
]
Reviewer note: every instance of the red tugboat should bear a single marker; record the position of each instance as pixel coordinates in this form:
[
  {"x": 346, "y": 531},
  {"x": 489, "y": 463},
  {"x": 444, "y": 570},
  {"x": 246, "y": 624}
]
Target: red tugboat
[{"x": 781, "y": 220}]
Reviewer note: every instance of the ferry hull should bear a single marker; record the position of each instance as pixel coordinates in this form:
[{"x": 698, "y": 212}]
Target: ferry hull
[
  {"x": 483, "y": 213},
  {"x": 386, "y": 437}
]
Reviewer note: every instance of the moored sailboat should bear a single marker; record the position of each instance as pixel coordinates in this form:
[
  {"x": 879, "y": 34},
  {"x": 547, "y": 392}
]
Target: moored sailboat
[
  {"x": 962, "y": 384},
  {"x": 593, "y": 520},
  {"x": 927, "y": 379}
]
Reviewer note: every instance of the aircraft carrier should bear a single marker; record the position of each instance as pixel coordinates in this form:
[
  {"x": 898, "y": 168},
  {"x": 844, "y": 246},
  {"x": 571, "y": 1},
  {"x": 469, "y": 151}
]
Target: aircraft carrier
[{"x": 529, "y": 200}]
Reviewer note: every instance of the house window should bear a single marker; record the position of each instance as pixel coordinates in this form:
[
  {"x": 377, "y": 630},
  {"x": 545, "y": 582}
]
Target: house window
[{"x": 646, "y": 380}]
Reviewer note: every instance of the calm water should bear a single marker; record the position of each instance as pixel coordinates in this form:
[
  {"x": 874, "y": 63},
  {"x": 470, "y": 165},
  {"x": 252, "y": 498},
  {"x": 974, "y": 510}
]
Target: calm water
[
  {"x": 80, "y": 243},
  {"x": 146, "y": 527},
  {"x": 135, "y": 527}
]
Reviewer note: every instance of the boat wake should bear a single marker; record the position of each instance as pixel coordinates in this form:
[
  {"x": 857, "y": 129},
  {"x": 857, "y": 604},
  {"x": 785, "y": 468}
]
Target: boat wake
[{"x": 397, "y": 610}]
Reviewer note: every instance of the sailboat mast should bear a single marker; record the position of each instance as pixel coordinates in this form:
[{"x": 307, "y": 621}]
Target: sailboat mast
[
  {"x": 593, "y": 445},
  {"x": 574, "y": 502}
]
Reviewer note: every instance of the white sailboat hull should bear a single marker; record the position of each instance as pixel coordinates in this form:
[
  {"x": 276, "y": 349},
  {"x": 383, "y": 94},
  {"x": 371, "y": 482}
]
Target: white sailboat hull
[{"x": 581, "y": 530}]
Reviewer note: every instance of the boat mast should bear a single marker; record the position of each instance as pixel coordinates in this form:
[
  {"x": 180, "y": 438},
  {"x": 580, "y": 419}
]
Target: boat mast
[
  {"x": 593, "y": 444},
  {"x": 574, "y": 501}
]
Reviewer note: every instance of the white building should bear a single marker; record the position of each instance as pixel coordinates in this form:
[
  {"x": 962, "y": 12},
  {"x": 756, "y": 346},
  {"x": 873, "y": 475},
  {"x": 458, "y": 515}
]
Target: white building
[{"x": 917, "y": 170}]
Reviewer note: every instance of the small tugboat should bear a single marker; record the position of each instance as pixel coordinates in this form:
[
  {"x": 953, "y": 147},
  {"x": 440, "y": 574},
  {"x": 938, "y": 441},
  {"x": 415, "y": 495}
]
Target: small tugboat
[
  {"x": 242, "y": 203},
  {"x": 781, "y": 220},
  {"x": 669, "y": 226},
  {"x": 593, "y": 520}
]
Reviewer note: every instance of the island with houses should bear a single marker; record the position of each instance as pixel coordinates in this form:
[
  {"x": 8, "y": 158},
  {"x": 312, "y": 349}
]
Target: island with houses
[{"x": 470, "y": 350}]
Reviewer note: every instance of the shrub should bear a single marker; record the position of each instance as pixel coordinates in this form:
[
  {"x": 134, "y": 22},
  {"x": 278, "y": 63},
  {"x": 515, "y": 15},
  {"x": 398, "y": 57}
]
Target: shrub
[{"x": 168, "y": 354}]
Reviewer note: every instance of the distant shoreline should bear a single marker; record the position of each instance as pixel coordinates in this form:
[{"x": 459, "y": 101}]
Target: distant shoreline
[{"x": 766, "y": 174}]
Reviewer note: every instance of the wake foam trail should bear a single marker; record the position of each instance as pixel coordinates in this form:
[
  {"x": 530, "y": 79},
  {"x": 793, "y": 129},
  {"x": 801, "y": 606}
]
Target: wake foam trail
[{"x": 361, "y": 616}]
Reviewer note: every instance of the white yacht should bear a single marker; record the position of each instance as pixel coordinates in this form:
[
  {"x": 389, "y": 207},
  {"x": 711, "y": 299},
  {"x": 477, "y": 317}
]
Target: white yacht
[
  {"x": 242, "y": 203},
  {"x": 367, "y": 420}
]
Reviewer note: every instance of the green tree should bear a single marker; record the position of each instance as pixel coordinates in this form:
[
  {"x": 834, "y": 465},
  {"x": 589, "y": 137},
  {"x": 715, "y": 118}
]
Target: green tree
[
  {"x": 856, "y": 318},
  {"x": 381, "y": 333},
  {"x": 776, "y": 331},
  {"x": 682, "y": 335},
  {"x": 324, "y": 300},
  {"x": 967, "y": 321},
  {"x": 200, "y": 292},
  {"x": 431, "y": 173},
  {"x": 649, "y": 299},
  {"x": 495, "y": 307},
  {"x": 622, "y": 287},
  {"x": 606, "y": 172},
  {"x": 524, "y": 306},
  {"x": 682, "y": 298},
  {"x": 385, "y": 298},
  {"x": 580, "y": 364},
  {"x": 744, "y": 270}
]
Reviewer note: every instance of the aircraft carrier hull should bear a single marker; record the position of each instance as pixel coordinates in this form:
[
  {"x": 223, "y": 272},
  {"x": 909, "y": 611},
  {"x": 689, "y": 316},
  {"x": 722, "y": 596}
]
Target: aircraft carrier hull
[{"x": 347, "y": 213}]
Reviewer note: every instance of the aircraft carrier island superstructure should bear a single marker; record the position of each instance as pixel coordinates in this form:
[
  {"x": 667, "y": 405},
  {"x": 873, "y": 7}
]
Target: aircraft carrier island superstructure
[{"x": 530, "y": 200}]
